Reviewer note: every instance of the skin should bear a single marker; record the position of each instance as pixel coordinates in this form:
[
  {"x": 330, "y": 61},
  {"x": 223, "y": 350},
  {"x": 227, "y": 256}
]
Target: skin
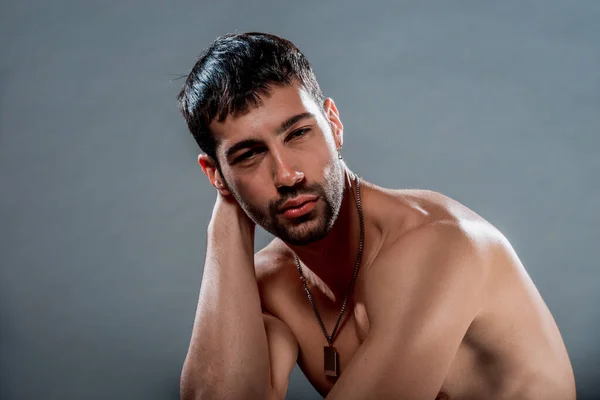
[{"x": 442, "y": 306}]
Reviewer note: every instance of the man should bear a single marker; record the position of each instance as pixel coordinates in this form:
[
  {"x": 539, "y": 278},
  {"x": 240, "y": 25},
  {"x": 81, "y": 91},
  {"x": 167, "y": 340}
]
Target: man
[{"x": 375, "y": 293}]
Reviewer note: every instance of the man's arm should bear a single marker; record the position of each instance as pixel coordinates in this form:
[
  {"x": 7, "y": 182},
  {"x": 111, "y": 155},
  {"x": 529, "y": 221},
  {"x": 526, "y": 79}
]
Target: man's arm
[
  {"x": 233, "y": 343},
  {"x": 421, "y": 298},
  {"x": 283, "y": 354}
]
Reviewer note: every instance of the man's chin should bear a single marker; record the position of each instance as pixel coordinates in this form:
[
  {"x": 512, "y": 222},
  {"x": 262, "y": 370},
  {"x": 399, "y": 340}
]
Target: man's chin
[
  {"x": 303, "y": 234},
  {"x": 300, "y": 241}
]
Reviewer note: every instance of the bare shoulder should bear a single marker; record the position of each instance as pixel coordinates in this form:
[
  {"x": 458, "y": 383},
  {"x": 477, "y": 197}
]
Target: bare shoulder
[
  {"x": 430, "y": 237},
  {"x": 271, "y": 260},
  {"x": 274, "y": 269},
  {"x": 439, "y": 258},
  {"x": 402, "y": 211},
  {"x": 444, "y": 268}
]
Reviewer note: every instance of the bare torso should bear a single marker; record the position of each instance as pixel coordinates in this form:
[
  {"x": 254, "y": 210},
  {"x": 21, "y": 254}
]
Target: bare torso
[{"x": 512, "y": 349}]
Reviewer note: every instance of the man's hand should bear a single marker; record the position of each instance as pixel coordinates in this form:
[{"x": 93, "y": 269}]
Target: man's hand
[
  {"x": 229, "y": 218},
  {"x": 227, "y": 213}
]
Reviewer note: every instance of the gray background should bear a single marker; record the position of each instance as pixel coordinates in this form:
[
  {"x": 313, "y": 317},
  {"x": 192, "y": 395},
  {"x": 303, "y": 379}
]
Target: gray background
[{"x": 104, "y": 209}]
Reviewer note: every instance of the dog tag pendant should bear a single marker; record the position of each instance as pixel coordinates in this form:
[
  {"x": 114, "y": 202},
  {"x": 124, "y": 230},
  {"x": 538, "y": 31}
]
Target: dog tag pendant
[{"x": 331, "y": 361}]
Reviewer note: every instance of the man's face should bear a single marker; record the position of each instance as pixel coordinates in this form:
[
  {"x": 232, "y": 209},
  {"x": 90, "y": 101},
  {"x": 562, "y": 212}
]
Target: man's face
[{"x": 278, "y": 151}]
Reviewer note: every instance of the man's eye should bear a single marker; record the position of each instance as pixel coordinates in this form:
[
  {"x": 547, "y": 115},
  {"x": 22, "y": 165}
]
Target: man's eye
[
  {"x": 298, "y": 133},
  {"x": 250, "y": 154},
  {"x": 247, "y": 155}
]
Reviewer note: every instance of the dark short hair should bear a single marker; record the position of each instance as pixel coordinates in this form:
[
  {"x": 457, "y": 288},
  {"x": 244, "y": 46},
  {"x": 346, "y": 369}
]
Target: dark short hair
[{"x": 231, "y": 75}]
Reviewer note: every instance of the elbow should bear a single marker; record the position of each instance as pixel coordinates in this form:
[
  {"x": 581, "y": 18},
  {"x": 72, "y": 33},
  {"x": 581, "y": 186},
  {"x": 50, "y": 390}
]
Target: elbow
[
  {"x": 213, "y": 393},
  {"x": 203, "y": 388},
  {"x": 189, "y": 390},
  {"x": 199, "y": 390},
  {"x": 195, "y": 386}
]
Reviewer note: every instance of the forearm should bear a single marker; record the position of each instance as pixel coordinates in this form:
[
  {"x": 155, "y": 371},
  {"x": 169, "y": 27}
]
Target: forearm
[{"x": 228, "y": 354}]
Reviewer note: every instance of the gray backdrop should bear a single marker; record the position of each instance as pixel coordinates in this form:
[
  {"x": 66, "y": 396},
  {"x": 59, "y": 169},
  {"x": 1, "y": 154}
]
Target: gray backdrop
[{"x": 104, "y": 208}]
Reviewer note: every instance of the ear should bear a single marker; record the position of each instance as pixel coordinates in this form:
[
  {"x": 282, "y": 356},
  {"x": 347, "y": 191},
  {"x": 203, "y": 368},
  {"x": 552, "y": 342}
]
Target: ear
[
  {"x": 209, "y": 167},
  {"x": 332, "y": 114}
]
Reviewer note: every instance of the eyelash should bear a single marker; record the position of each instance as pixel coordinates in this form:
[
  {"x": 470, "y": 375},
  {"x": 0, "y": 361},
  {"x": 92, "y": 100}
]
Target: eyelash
[
  {"x": 245, "y": 156},
  {"x": 301, "y": 131},
  {"x": 293, "y": 135}
]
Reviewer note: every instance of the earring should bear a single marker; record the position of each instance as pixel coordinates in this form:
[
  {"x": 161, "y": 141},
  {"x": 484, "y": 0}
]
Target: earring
[{"x": 339, "y": 150}]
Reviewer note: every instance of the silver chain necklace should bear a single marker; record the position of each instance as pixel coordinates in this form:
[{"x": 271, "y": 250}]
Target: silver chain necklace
[{"x": 330, "y": 353}]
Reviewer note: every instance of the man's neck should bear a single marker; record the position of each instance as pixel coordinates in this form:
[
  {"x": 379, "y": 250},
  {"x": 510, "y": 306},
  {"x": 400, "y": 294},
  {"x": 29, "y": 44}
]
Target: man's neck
[{"x": 333, "y": 258}]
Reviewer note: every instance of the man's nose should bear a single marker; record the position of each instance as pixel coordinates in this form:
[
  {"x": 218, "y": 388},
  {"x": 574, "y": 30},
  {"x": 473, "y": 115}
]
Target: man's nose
[{"x": 285, "y": 174}]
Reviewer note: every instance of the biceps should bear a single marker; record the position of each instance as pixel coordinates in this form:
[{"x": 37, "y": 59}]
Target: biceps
[{"x": 283, "y": 352}]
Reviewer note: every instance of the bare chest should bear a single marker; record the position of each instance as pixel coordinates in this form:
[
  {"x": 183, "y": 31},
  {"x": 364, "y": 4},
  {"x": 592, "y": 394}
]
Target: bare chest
[
  {"x": 352, "y": 331},
  {"x": 354, "y": 328}
]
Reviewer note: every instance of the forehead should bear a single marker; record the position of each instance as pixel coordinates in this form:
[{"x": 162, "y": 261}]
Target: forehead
[{"x": 281, "y": 103}]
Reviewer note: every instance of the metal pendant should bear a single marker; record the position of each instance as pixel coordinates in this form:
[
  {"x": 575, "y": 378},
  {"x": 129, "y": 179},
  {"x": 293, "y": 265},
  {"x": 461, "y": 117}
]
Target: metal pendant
[{"x": 331, "y": 361}]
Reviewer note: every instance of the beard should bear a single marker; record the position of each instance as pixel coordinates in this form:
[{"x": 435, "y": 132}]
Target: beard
[{"x": 307, "y": 228}]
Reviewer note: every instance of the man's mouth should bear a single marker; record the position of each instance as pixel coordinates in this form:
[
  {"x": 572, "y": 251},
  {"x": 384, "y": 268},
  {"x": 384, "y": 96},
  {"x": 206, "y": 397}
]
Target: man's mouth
[{"x": 299, "y": 206}]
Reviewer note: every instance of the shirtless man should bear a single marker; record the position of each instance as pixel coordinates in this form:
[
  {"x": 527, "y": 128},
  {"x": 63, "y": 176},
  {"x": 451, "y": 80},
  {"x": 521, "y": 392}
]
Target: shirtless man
[{"x": 440, "y": 305}]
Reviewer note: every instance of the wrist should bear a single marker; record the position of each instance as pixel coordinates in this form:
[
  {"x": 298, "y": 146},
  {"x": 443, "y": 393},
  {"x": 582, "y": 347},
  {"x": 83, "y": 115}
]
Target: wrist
[{"x": 234, "y": 230}]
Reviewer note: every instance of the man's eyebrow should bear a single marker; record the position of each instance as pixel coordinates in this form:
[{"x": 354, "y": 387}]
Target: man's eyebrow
[
  {"x": 287, "y": 124},
  {"x": 241, "y": 145}
]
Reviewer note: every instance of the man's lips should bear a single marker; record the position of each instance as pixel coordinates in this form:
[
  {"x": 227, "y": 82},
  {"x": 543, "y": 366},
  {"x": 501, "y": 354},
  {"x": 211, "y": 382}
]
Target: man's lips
[
  {"x": 303, "y": 209},
  {"x": 297, "y": 202}
]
